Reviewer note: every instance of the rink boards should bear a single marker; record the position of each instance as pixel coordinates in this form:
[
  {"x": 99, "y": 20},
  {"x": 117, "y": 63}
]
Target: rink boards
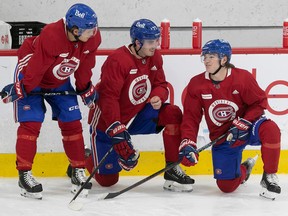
[{"x": 268, "y": 66}]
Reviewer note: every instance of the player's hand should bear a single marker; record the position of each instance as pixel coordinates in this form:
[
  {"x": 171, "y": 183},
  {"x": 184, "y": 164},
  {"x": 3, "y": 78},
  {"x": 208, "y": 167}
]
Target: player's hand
[
  {"x": 121, "y": 140},
  {"x": 188, "y": 153},
  {"x": 14, "y": 92},
  {"x": 89, "y": 96},
  {"x": 238, "y": 132},
  {"x": 156, "y": 102}
]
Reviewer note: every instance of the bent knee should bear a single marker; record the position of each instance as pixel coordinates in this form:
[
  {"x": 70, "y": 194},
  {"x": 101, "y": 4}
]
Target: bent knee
[
  {"x": 227, "y": 186},
  {"x": 170, "y": 114},
  {"x": 269, "y": 132},
  {"x": 107, "y": 180}
]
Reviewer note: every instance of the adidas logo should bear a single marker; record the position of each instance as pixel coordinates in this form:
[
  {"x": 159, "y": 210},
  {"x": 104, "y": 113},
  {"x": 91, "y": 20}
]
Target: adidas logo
[
  {"x": 235, "y": 92},
  {"x": 154, "y": 68}
]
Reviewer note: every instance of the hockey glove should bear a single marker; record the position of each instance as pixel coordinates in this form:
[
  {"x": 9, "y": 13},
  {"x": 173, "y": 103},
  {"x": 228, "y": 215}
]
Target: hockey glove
[
  {"x": 188, "y": 153},
  {"x": 89, "y": 96},
  {"x": 121, "y": 140},
  {"x": 238, "y": 132},
  {"x": 14, "y": 92}
]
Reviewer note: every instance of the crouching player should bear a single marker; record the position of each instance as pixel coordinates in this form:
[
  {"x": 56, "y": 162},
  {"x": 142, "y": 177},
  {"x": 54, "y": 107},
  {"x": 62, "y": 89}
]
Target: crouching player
[
  {"x": 133, "y": 84},
  {"x": 232, "y": 103}
]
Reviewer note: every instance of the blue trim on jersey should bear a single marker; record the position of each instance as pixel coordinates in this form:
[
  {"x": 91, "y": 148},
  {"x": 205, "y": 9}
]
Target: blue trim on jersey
[{"x": 227, "y": 159}]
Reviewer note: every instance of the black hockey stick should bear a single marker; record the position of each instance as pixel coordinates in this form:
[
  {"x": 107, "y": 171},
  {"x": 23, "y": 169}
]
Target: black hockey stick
[
  {"x": 115, "y": 194},
  {"x": 3, "y": 94},
  {"x": 77, "y": 206}
]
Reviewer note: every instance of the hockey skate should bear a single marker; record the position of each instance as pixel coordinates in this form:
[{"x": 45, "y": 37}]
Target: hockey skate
[
  {"x": 249, "y": 164},
  {"x": 78, "y": 179},
  {"x": 177, "y": 180},
  {"x": 270, "y": 187},
  {"x": 29, "y": 186},
  {"x": 69, "y": 168}
]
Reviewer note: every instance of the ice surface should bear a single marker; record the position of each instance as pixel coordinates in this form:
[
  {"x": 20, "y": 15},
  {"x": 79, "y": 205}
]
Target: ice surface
[{"x": 146, "y": 199}]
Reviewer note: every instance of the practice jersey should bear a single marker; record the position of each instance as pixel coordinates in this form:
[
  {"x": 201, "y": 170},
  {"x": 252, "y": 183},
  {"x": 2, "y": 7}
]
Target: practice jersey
[
  {"x": 126, "y": 84},
  {"x": 238, "y": 95},
  {"x": 50, "y": 58}
]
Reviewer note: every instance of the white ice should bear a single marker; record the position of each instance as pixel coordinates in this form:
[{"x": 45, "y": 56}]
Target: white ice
[{"x": 146, "y": 199}]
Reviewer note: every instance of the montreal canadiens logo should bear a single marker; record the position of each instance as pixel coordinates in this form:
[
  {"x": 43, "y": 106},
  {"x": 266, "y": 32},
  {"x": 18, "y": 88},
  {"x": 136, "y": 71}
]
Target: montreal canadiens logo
[
  {"x": 65, "y": 69},
  {"x": 139, "y": 90},
  {"x": 221, "y": 111},
  {"x": 218, "y": 171}
]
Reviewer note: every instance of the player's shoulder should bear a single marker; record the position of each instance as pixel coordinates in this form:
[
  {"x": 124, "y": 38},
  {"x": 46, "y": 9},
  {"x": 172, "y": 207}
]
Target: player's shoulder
[
  {"x": 53, "y": 30},
  {"x": 93, "y": 43},
  {"x": 199, "y": 78},
  {"x": 197, "y": 81},
  {"x": 121, "y": 54},
  {"x": 240, "y": 72}
]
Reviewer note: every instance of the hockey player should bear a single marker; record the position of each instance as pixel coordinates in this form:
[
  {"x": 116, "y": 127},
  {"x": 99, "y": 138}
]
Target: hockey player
[
  {"x": 45, "y": 64},
  {"x": 133, "y": 84},
  {"x": 232, "y": 103}
]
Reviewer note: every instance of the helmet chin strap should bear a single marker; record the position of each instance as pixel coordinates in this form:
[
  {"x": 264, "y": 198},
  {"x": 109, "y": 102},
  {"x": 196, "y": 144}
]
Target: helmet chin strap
[
  {"x": 137, "y": 51},
  {"x": 76, "y": 37},
  {"x": 217, "y": 70}
]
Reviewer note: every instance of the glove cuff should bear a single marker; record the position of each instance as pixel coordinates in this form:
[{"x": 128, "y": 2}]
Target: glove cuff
[
  {"x": 115, "y": 128},
  {"x": 87, "y": 91},
  {"x": 241, "y": 123},
  {"x": 186, "y": 142},
  {"x": 20, "y": 90}
]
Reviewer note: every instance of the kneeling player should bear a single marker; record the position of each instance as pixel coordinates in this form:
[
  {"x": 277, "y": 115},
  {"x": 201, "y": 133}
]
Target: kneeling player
[
  {"x": 232, "y": 103},
  {"x": 133, "y": 84}
]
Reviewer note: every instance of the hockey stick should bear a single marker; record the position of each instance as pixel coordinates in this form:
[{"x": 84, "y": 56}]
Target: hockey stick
[
  {"x": 115, "y": 194},
  {"x": 77, "y": 206},
  {"x": 3, "y": 94}
]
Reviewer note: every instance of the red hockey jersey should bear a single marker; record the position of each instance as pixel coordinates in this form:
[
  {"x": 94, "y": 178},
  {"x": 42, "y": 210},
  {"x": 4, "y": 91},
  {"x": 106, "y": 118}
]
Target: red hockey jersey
[
  {"x": 127, "y": 83},
  {"x": 237, "y": 95},
  {"x": 50, "y": 58}
]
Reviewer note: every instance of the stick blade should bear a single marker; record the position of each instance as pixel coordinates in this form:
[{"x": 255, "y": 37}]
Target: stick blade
[
  {"x": 107, "y": 196},
  {"x": 75, "y": 206}
]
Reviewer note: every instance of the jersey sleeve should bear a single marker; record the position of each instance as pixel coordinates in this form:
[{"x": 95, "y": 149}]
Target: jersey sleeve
[
  {"x": 254, "y": 97},
  {"x": 110, "y": 86},
  {"x": 84, "y": 72},
  {"x": 40, "y": 61},
  {"x": 159, "y": 85},
  {"x": 192, "y": 114}
]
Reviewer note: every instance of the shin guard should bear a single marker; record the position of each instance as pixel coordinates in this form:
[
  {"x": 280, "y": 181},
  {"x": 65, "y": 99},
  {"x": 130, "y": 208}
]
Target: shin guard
[
  {"x": 26, "y": 144},
  {"x": 170, "y": 116},
  {"x": 270, "y": 136},
  {"x": 73, "y": 142}
]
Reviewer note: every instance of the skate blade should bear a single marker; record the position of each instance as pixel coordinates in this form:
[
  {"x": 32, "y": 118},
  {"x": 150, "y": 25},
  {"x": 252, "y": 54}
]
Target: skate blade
[
  {"x": 76, "y": 188},
  {"x": 37, "y": 195},
  {"x": 268, "y": 194},
  {"x": 176, "y": 187}
]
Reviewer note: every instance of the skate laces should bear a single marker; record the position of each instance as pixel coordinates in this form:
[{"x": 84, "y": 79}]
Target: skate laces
[
  {"x": 272, "y": 179},
  {"x": 80, "y": 175},
  {"x": 29, "y": 179},
  {"x": 179, "y": 171}
]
